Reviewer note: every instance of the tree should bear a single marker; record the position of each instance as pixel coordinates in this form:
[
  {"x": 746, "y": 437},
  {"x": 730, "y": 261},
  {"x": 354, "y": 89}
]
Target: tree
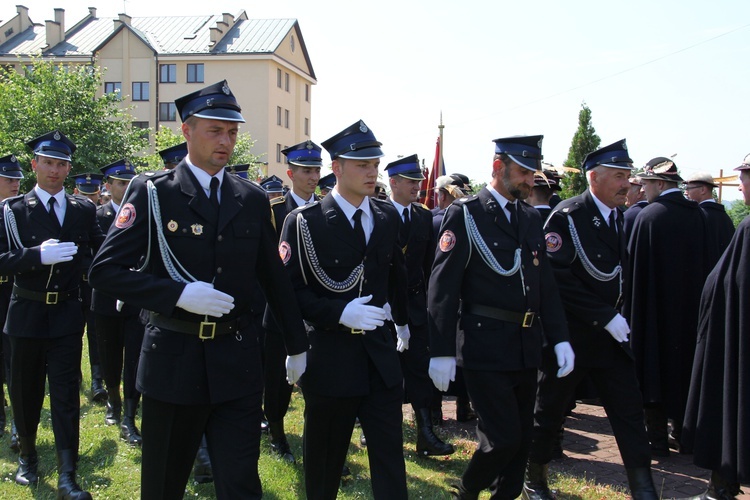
[
  {"x": 49, "y": 96},
  {"x": 585, "y": 141},
  {"x": 738, "y": 211}
]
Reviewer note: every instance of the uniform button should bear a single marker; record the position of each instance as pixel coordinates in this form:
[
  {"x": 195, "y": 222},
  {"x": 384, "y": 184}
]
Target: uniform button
[
  {"x": 184, "y": 230},
  {"x": 365, "y": 282},
  {"x": 218, "y": 270},
  {"x": 479, "y": 324},
  {"x": 33, "y": 237},
  {"x": 599, "y": 255},
  {"x": 57, "y": 271},
  {"x": 220, "y": 238},
  {"x": 335, "y": 261},
  {"x": 495, "y": 243},
  {"x": 523, "y": 266},
  {"x": 57, "y": 287},
  {"x": 596, "y": 323},
  {"x": 363, "y": 260},
  {"x": 528, "y": 288},
  {"x": 33, "y": 268},
  {"x": 153, "y": 346}
]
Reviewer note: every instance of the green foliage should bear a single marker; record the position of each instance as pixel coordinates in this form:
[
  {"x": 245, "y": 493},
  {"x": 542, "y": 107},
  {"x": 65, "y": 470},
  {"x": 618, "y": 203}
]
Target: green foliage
[
  {"x": 52, "y": 96},
  {"x": 584, "y": 141},
  {"x": 737, "y": 211}
]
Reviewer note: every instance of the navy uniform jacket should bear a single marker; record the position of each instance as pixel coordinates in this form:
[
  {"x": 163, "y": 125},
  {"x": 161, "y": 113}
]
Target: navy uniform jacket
[
  {"x": 31, "y": 318},
  {"x": 338, "y": 361},
  {"x": 630, "y": 215},
  {"x": 589, "y": 303},
  {"x": 419, "y": 252},
  {"x": 234, "y": 253},
  {"x": 102, "y": 303},
  {"x": 460, "y": 277},
  {"x": 720, "y": 229}
]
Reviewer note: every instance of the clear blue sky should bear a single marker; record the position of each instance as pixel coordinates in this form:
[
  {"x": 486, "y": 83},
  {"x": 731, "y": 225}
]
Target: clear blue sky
[{"x": 670, "y": 76}]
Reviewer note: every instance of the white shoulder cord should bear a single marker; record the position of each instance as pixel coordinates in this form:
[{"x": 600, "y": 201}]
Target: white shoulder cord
[
  {"x": 305, "y": 241},
  {"x": 586, "y": 262},
  {"x": 11, "y": 228}
]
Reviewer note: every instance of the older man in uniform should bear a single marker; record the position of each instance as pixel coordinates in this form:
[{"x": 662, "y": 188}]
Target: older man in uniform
[
  {"x": 48, "y": 234},
  {"x": 10, "y": 182},
  {"x": 699, "y": 188},
  {"x": 304, "y": 172},
  {"x": 668, "y": 251},
  {"x": 586, "y": 246},
  {"x": 416, "y": 240},
  {"x": 491, "y": 265},
  {"x": 635, "y": 201},
  {"x": 345, "y": 262},
  {"x": 211, "y": 242},
  {"x": 118, "y": 328}
]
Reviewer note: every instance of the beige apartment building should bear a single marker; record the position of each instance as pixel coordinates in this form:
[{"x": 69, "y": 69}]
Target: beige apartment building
[{"x": 151, "y": 61}]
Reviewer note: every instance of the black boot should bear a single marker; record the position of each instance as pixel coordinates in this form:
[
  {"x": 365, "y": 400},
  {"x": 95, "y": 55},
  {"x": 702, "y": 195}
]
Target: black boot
[
  {"x": 28, "y": 462},
  {"x": 464, "y": 412},
  {"x": 462, "y": 493},
  {"x": 14, "y": 437},
  {"x": 202, "y": 471},
  {"x": 641, "y": 484},
  {"x": 428, "y": 444},
  {"x": 67, "y": 488},
  {"x": 535, "y": 485},
  {"x": 98, "y": 392},
  {"x": 719, "y": 489},
  {"x": 279, "y": 444},
  {"x": 656, "y": 426},
  {"x": 3, "y": 419},
  {"x": 113, "y": 414},
  {"x": 128, "y": 431}
]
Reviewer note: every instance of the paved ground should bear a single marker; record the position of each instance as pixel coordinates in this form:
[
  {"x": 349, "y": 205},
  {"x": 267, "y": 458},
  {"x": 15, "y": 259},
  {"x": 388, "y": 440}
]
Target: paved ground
[{"x": 591, "y": 452}]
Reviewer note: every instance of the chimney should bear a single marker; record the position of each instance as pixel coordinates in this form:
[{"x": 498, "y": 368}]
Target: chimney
[
  {"x": 215, "y": 34},
  {"x": 60, "y": 19},
  {"x": 228, "y": 19},
  {"x": 124, "y": 19},
  {"x": 92, "y": 12},
  {"x": 54, "y": 33}
]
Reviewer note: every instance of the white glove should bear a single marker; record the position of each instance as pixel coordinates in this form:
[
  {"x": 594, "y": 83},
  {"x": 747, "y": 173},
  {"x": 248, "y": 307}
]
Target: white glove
[
  {"x": 442, "y": 371},
  {"x": 565, "y": 359},
  {"x": 618, "y": 328},
  {"x": 201, "y": 298},
  {"x": 403, "y": 334},
  {"x": 295, "y": 367},
  {"x": 54, "y": 252},
  {"x": 387, "y": 309},
  {"x": 361, "y": 317}
]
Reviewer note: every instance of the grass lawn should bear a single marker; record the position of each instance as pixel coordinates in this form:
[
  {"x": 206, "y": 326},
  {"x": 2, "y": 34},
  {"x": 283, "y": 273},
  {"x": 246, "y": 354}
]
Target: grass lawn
[{"x": 109, "y": 468}]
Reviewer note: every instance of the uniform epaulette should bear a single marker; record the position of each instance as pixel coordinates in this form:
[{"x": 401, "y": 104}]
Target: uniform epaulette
[
  {"x": 566, "y": 209},
  {"x": 81, "y": 198},
  {"x": 12, "y": 198},
  {"x": 280, "y": 199},
  {"x": 466, "y": 199},
  {"x": 382, "y": 202},
  {"x": 308, "y": 205},
  {"x": 421, "y": 205}
]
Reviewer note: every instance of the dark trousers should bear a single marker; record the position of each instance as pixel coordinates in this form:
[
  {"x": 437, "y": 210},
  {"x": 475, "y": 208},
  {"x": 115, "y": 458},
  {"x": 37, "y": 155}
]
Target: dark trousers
[
  {"x": 88, "y": 315},
  {"x": 415, "y": 362},
  {"x": 329, "y": 423},
  {"x": 504, "y": 403},
  {"x": 119, "y": 339},
  {"x": 59, "y": 361},
  {"x": 277, "y": 392},
  {"x": 617, "y": 387},
  {"x": 171, "y": 436}
]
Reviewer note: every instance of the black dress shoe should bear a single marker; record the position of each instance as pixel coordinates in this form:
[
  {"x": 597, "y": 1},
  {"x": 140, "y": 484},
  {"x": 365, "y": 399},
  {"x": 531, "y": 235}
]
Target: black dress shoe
[
  {"x": 428, "y": 444},
  {"x": 362, "y": 440},
  {"x": 283, "y": 451},
  {"x": 464, "y": 411},
  {"x": 28, "y": 467},
  {"x": 113, "y": 413},
  {"x": 68, "y": 489},
  {"x": 345, "y": 471},
  {"x": 14, "y": 437}
]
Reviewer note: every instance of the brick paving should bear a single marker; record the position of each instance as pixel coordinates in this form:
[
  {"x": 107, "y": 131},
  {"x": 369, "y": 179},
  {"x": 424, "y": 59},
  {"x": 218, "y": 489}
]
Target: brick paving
[{"x": 591, "y": 452}]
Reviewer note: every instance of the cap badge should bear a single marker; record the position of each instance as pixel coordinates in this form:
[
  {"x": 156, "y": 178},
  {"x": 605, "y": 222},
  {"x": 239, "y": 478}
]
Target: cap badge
[
  {"x": 197, "y": 229},
  {"x": 624, "y": 146},
  {"x": 210, "y": 102},
  {"x": 13, "y": 158},
  {"x": 309, "y": 145},
  {"x": 172, "y": 226},
  {"x": 539, "y": 144},
  {"x": 362, "y": 127},
  {"x": 56, "y": 136},
  {"x": 88, "y": 178},
  {"x": 225, "y": 89}
]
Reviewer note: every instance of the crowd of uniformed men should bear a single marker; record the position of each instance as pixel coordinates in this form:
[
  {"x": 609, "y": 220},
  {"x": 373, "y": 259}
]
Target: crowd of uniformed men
[{"x": 510, "y": 298}]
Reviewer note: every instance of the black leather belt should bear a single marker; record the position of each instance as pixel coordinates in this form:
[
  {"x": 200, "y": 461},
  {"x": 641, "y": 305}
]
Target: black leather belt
[
  {"x": 205, "y": 330},
  {"x": 49, "y": 298},
  {"x": 4, "y": 279},
  {"x": 340, "y": 329},
  {"x": 524, "y": 319}
]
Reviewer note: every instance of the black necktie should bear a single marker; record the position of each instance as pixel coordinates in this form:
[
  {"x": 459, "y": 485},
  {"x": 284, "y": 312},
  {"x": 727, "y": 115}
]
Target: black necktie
[
  {"x": 53, "y": 213},
  {"x": 405, "y": 227},
  {"x": 358, "y": 229},
  {"x": 214, "y": 194},
  {"x": 513, "y": 216}
]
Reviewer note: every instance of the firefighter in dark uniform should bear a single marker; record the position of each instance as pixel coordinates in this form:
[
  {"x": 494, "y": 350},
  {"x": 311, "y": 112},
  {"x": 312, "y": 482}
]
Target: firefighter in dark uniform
[
  {"x": 10, "y": 182},
  {"x": 89, "y": 186},
  {"x": 417, "y": 243},
  {"x": 118, "y": 328},
  {"x": 304, "y": 172},
  {"x": 326, "y": 183},
  {"x": 587, "y": 248},
  {"x": 545, "y": 185},
  {"x": 491, "y": 265},
  {"x": 211, "y": 242},
  {"x": 44, "y": 248},
  {"x": 635, "y": 201},
  {"x": 345, "y": 262},
  {"x": 173, "y": 155}
]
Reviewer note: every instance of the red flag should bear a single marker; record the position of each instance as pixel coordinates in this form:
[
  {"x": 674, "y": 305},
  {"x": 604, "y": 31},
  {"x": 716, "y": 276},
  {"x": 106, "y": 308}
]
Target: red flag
[{"x": 438, "y": 169}]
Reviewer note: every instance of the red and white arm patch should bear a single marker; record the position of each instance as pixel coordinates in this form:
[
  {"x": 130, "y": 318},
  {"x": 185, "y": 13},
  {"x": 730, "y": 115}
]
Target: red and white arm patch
[
  {"x": 285, "y": 251},
  {"x": 126, "y": 216},
  {"x": 554, "y": 242},
  {"x": 447, "y": 241}
]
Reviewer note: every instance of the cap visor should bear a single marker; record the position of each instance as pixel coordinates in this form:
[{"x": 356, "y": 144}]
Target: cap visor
[
  {"x": 12, "y": 174},
  {"x": 528, "y": 163},
  {"x": 54, "y": 154},
  {"x": 363, "y": 154},
  {"x": 227, "y": 115},
  {"x": 623, "y": 166},
  {"x": 307, "y": 163},
  {"x": 413, "y": 176},
  {"x": 122, "y": 177}
]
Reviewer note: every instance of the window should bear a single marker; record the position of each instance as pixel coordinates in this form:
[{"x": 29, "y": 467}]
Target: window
[
  {"x": 112, "y": 87},
  {"x": 144, "y": 128},
  {"x": 278, "y": 153},
  {"x": 285, "y": 158},
  {"x": 195, "y": 73},
  {"x": 307, "y": 127},
  {"x": 278, "y": 78},
  {"x": 167, "y": 112},
  {"x": 278, "y": 115},
  {"x": 140, "y": 91},
  {"x": 286, "y": 118},
  {"x": 286, "y": 80},
  {"x": 307, "y": 92},
  {"x": 167, "y": 73}
]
